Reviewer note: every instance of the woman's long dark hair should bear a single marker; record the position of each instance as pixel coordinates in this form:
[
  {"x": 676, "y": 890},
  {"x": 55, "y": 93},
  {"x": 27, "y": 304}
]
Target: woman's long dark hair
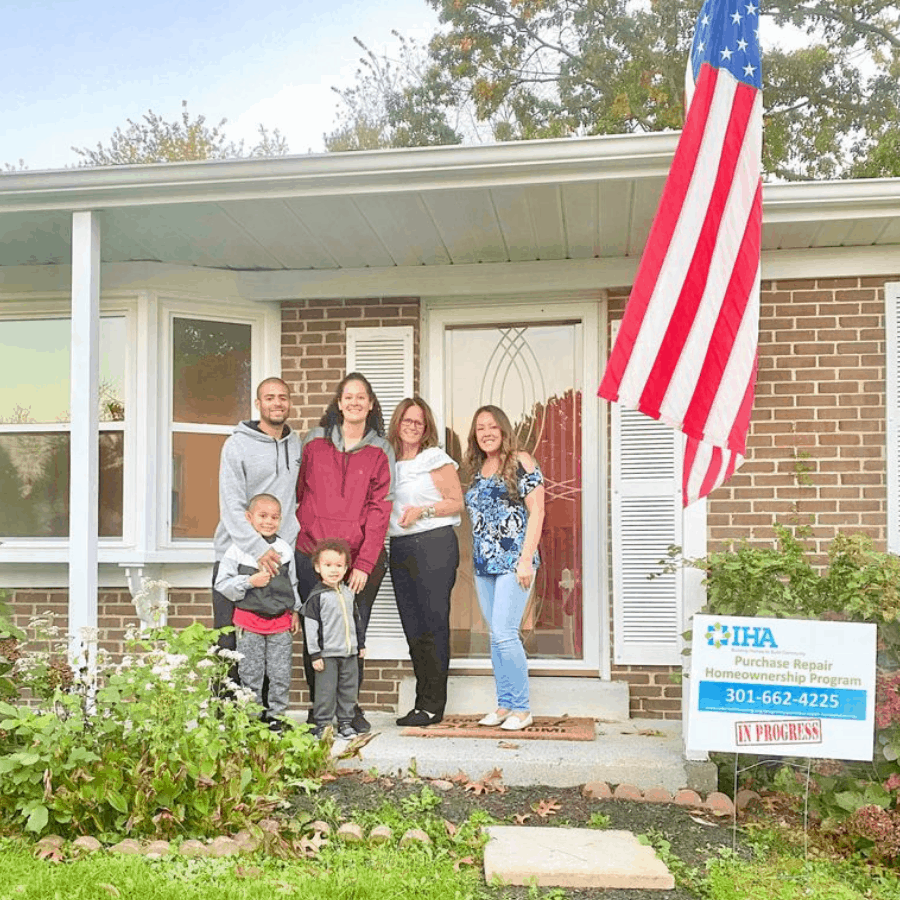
[
  {"x": 334, "y": 417},
  {"x": 509, "y": 450}
]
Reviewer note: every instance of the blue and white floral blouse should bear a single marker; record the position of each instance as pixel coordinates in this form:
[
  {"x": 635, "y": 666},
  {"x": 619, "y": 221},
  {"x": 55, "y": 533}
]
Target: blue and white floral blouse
[{"x": 498, "y": 523}]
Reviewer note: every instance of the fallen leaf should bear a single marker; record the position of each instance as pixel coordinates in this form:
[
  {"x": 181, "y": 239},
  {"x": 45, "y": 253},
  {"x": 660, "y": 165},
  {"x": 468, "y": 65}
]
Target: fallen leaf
[
  {"x": 477, "y": 788},
  {"x": 521, "y": 818},
  {"x": 508, "y": 745},
  {"x": 460, "y": 777},
  {"x": 451, "y": 828},
  {"x": 706, "y": 822},
  {"x": 651, "y": 732},
  {"x": 547, "y": 808},
  {"x": 464, "y": 861}
]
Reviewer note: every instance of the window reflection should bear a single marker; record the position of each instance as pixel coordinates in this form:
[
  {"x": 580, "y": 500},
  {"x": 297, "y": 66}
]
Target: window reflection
[
  {"x": 211, "y": 371},
  {"x": 34, "y": 484},
  {"x": 35, "y": 370},
  {"x": 195, "y": 484}
]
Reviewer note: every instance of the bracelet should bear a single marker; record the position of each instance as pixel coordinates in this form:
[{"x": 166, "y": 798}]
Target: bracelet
[{"x": 428, "y": 512}]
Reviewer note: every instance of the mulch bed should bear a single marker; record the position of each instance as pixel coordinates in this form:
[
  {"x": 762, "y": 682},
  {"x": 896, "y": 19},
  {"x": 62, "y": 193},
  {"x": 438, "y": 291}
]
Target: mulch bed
[
  {"x": 693, "y": 836},
  {"x": 544, "y": 728}
]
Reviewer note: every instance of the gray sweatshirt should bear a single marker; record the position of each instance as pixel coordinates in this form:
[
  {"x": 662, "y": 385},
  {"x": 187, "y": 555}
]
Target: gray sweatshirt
[
  {"x": 333, "y": 626},
  {"x": 254, "y": 463}
]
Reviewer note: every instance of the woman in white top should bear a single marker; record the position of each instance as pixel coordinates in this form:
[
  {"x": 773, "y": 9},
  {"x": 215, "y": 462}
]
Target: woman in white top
[{"x": 424, "y": 552}]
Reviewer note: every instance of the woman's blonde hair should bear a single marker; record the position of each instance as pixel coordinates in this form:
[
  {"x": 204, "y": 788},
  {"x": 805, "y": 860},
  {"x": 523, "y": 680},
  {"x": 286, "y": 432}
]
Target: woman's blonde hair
[
  {"x": 429, "y": 435},
  {"x": 509, "y": 450}
]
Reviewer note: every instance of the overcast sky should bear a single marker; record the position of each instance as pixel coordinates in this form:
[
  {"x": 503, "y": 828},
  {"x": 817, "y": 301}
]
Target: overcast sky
[{"x": 75, "y": 69}]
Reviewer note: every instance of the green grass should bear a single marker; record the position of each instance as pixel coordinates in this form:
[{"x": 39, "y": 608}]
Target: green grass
[{"x": 339, "y": 873}]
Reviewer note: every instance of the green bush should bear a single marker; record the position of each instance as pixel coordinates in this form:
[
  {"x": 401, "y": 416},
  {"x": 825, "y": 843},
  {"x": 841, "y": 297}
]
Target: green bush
[{"x": 149, "y": 747}]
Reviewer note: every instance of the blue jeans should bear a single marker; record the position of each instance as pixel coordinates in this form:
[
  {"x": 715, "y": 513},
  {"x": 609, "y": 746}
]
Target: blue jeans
[{"x": 502, "y": 603}]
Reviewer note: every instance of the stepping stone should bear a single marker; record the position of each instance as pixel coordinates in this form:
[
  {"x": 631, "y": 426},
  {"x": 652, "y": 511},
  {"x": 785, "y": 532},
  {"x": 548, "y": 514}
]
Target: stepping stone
[{"x": 573, "y": 857}]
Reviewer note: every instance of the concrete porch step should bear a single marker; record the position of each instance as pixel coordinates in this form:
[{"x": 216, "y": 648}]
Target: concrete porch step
[
  {"x": 550, "y": 696},
  {"x": 646, "y": 753}
]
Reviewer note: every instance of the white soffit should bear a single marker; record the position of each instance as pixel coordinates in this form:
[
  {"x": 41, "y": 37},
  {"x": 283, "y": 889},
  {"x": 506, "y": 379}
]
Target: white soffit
[{"x": 587, "y": 199}]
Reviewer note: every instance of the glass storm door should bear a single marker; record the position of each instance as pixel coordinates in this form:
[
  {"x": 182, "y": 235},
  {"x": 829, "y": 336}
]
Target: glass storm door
[{"x": 535, "y": 372}]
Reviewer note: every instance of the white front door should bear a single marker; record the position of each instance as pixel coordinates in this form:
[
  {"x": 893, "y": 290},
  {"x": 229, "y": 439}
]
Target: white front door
[{"x": 538, "y": 361}]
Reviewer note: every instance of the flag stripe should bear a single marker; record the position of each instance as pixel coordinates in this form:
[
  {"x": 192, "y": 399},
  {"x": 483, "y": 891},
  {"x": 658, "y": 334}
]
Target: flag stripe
[
  {"x": 731, "y": 345},
  {"x": 672, "y": 200},
  {"x": 700, "y": 283},
  {"x": 675, "y": 245}
]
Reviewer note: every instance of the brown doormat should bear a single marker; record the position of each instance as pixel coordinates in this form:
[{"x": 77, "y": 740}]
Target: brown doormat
[{"x": 544, "y": 728}]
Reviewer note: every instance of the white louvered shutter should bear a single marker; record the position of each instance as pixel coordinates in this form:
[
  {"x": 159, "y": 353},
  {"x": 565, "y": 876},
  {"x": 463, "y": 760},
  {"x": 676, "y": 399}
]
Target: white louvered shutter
[
  {"x": 385, "y": 357},
  {"x": 892, "y": 450},
  {"x": 646, "y": 521}
]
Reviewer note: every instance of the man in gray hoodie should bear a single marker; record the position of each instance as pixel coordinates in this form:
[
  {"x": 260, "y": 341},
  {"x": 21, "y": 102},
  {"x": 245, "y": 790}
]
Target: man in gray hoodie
[{"x": 261, "y": 457}]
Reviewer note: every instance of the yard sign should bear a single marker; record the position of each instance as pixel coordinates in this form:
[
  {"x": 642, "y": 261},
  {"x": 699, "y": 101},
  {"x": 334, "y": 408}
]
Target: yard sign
[{"x": 791, "y": 687}]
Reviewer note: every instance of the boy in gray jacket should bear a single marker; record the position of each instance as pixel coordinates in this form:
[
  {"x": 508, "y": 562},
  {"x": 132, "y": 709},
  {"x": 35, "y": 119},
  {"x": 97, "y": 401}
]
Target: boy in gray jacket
[
  {"x": 335, "y": 638},
  {"x": 265, "y": 609}
]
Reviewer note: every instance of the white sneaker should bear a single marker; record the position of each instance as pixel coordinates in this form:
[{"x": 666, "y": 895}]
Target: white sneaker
[
  {"x": 492, "y": 720},
  {"x": 516, "y": 722}
]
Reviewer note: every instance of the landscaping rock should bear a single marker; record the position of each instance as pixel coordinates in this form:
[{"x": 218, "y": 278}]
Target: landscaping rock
[
  {"x": 52, "y": 840},
  {"x": 719, "y": 804},
  {"x": 223, "y": 846},
  {"x": 157, "y": 849},
  {"x": 628, "y": 792},
  {"x": 381, "y": 834},
  {"x": 87, "y": 843},
  {"x": 597, "y": 790},
  {"x": 414, "y": 836},
  {"x": 441, "y": 784},
  {"x": 320, "y": 826},
  {"x": 129, "y": 846},
  {"x": 192, "y": 848},
  {"x": 350, "y": 832},
  {"x": 657, "y": 795},
  {"x": 687, "y": 798},
  {"x": 746, "y": 797},
  {"x": 271, "y": 825},
  {"x": 246, "y": 841}
]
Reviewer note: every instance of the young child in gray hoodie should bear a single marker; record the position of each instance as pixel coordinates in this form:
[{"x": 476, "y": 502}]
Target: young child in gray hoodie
[{"x": 335, "y": 638}]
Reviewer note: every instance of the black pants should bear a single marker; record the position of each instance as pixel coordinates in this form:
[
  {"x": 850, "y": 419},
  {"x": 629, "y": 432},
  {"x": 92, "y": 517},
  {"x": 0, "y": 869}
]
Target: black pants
[
  {"x": 423, "y": 569},
  {"x": 307, "y": 579}
]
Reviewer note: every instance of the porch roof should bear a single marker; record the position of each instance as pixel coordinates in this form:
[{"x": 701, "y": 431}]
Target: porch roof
[{"x": 572, "y": 199}]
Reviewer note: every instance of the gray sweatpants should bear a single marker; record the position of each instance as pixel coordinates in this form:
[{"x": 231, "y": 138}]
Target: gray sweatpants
[
  {"x": 266, "y": 655},
  {"x": 336, "y": 689}
]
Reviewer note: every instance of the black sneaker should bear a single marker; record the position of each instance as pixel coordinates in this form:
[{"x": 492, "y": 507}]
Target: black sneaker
[
  {"x": 346, "y": 731},
  {"x": 360, "y": 724},
  {"x": 419, "y": 718},
  {"x": 310, "y": 718}
]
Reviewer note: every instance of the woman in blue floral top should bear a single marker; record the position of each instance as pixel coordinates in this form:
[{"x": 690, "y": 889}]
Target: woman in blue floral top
[{"x": 506, "y": 505}]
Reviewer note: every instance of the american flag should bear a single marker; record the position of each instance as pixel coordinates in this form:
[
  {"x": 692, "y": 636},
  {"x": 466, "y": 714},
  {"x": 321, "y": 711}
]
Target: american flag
[{"x": 687, "y": 347}]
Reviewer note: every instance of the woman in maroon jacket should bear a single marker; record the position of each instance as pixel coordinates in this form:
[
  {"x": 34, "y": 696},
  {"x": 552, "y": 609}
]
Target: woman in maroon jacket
[{"x": 344, "y": 490}]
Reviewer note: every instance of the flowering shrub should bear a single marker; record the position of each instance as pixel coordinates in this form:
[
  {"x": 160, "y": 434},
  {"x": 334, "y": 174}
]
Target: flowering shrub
[
  {"x": 147, "y": 747},
  {"x": 874, "y": 832}
]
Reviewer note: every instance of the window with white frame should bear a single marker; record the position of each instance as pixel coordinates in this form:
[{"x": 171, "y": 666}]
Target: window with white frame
[
  {"x": 35, "y": 426},
  {"x": 210, "y": 378},
  {"x": 171, "y": 391}
]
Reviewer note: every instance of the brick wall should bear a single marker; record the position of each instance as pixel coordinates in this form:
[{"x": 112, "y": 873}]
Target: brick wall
[
  {"x": 816, "y": 450},
  {"x": 314, "y": 345}
]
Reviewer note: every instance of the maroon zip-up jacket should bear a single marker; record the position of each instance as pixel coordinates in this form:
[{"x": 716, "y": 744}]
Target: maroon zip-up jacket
[{"x": 345, "y": 494}]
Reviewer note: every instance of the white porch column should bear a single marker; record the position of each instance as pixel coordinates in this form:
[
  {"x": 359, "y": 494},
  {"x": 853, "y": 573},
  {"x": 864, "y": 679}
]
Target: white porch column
[{"x": 84, "y": 446}]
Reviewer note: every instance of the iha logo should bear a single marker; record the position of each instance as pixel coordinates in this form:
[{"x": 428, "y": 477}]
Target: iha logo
[{"x": 721, "y": 635}]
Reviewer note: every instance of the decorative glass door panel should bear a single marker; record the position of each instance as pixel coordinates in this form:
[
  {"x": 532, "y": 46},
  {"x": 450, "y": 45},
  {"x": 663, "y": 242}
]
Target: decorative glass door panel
[{"x": 534, "y": 373}]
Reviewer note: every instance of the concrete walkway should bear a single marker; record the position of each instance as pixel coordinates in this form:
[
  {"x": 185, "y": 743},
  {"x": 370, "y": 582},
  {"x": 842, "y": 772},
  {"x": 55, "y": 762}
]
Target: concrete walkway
[{"x": 644, "y": 753}]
